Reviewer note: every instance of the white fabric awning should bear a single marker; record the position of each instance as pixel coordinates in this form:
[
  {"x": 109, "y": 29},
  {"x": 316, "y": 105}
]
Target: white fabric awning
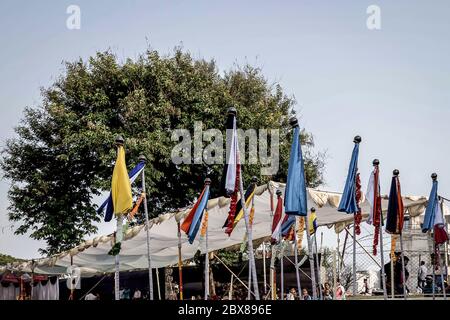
[{"x": 93, "y": 257}]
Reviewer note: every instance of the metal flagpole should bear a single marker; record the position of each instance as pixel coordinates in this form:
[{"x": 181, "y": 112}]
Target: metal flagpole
[
  {"x": 118, "y": 239},
  {"x": 116, "y": 257},
  {"x": 249, "y": 235},
  {"x": 376, "y": 164},
  {"x": 264, "y": 267},
  {"x": 383, "y": 274},
  {"x": 403, "y": 266},
  {"x": 248, "y": 228},
  {"x": 282, "y": 269},
  {"x": 318, "y": 267},
  {"x": 157, "y": 282},
  {"x": 180, "y": 261},
  {"x": 297, "y": 273},
  {"x": 311, "y": 258},
  {"x": 207, "y": 182},
  {"x": 149, "y": 259},
  {"x": 354, "y": 254},
  {"x": 393, "y": 239},
  {"x": 206, "y": 264},
  {"x": 442, "y": 272},
  {"x": 433, "y": 260}
]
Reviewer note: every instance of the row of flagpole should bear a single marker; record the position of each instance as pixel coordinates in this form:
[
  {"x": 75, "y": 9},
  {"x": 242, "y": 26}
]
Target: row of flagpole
[{"x": 295, "y": 204}]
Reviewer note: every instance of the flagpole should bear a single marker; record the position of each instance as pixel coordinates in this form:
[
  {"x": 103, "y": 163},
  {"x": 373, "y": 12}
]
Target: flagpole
[
  {"x": 207, "y": 183},
  {"x": 311, "y": 259},
  {"x": 383, "y": 274},
  {"x": 264, "y": 267},
  {"x": 403, "y": 266},
  {"x": 297, "y": 273},
  {"x": 318, "y": 268},
  {"x": 282, "y": 269},
  {"x": 180, "y": 262},
  {"x": 439, "y": 257},
  {"x": 376, "y": 164},
  {"x": 147, "y": 227},
  {"x": 433, "y": 264},
  {"x": 247, "y": 223},
  {"x": 118, "y": 239}
]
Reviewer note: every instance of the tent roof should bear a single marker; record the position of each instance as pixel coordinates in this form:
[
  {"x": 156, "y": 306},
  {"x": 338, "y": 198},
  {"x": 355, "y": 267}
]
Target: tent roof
[{"x": 92, "y": 255}]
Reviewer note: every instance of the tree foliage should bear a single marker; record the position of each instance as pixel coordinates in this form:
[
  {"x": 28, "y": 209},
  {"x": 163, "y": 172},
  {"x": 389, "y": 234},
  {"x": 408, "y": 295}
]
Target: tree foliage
[{"x": 63, "y": 153}]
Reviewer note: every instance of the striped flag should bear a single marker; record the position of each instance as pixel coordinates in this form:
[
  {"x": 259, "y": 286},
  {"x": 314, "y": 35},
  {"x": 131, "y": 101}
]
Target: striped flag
[
  {"x": 433, "y": 216},
  {"x": 395, "y": 214},
  {"x": 374, "y": 198},
  {"x": 192, "y": 222}
]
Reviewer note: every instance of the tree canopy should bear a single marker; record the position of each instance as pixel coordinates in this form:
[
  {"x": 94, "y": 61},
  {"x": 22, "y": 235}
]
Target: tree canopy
[{"x": 63, "y": 153}]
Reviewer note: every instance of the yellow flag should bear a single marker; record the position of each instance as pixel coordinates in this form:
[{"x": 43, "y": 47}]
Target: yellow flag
[
  {"x": 312, "y": 223},
  {"x": 121, "y": 185}
]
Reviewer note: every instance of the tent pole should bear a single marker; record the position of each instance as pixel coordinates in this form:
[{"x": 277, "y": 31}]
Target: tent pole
[
  {"x": 229, "y": 270},
  {"x": 343, "y": 251},
  {"x": 403, "y": 266},
  {"x": 230, "y": 292},
  {"x": 273, "y": 279},
  {"x": 180, "y": 262},
  {"x": 311, "y": 258},
  {"x": 282, "y": 270},
  {"x": 149, "y": 259},
  {"x": 383, "y": 275},
  {"x": 334, "y": 270},
  {"x": 297, "y": 274}
]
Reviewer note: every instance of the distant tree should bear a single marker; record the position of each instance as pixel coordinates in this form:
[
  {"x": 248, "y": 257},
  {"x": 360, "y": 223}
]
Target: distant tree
[
  {"x": 64, "y": 151},
  {"x": 5, "y": 259}
]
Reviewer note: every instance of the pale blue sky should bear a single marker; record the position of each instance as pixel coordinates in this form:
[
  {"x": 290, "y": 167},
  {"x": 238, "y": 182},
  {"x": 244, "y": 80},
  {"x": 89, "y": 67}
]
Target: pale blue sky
[{"x": 391, "y": 86}]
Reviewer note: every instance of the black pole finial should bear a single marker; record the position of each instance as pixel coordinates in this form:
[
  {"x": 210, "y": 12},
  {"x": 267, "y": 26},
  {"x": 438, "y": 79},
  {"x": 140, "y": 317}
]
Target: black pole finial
[
  {"x": 208, "y": 181},
  {"x": 376, "y": 162},
  {"x": 396, "y": 172},
  {"x": 313, "y": 209},
  {"x": 434, "y": 176},
  {"x": 279, "y": 192},
  {"x": 232, "y": 110},
  {"x": 119, "y": 140},
  {"x": 142, "y": 158},
  {"x": 254, "y": 179},
  {"x": 293, "y": 121},
  {"x": 357, "y": 139}
]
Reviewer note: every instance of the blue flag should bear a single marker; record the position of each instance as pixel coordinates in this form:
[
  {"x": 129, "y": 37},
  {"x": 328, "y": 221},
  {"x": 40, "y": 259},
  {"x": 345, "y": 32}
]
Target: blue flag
[
  {"x": 348, "y": 201},
  {"x": 433, "y": 201},
  {"x": 108, "y": 203},
  {"x": 295, "y": 195},
  {"x": 287, "y": 225}
]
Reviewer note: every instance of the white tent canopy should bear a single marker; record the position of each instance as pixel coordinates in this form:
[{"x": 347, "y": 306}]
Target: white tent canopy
[{"x": 92, "y": 255}]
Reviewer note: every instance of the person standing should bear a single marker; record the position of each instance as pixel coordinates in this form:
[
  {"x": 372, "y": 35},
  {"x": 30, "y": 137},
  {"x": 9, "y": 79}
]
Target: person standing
[
  {"x": 292, "y": 295},
  {"x": 340, "y": 291},
  {"x": 306, "y": 295},
  {"x": 422, "y": 275}
]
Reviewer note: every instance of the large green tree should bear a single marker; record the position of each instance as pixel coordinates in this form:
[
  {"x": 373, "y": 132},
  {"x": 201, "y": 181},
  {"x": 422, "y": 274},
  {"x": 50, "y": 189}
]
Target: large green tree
[{"x": 63, "y": 153}]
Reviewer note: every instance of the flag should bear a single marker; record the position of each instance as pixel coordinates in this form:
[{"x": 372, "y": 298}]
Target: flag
[
  {"x": 191, "y": 223},
  {"x": 276, "y": 221},
  {"x": 395, "y": 214},
  {"x": 433, "y": 216},
  {"x": 231, "y": 172},
  {"x": 239, "y": 211},
  {"x": 374, "y": 198},
  {"x": 133, "y": 174},
  {"x": 287, "y": 224},
  {"x": 295, "y": 194},
  {"x": 352, "y": 191},
  {"x": 121, "y": 186},
  {"x": 312, "y": 222}
]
